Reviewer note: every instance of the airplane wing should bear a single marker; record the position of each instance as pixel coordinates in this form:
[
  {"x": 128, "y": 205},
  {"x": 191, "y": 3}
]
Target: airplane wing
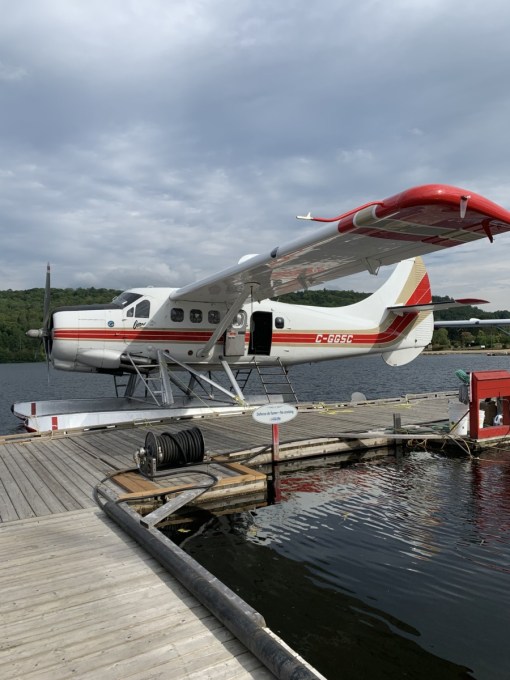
[
  {"x": 415, "y": 222},
  {"x": 471, "y": 323}
]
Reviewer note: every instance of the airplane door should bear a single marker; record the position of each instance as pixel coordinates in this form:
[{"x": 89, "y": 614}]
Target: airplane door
[
  {"x": 234, "y": 336},
  {"x": 261, "y": 333}
]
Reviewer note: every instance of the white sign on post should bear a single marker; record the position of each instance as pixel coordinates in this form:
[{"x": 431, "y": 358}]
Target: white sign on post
[{"x": 275, "y": 414}]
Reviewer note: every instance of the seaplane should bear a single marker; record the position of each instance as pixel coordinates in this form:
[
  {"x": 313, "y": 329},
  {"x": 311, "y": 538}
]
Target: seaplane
[{"x": 193, "y": 348}]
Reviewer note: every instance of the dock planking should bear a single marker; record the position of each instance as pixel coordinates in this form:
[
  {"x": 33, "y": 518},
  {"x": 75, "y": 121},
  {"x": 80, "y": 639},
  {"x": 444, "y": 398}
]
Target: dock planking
[
  {"x": 82, "y": 599},
  {"x": 57, "y": 472},
  {"x": 92, "y": 604}
]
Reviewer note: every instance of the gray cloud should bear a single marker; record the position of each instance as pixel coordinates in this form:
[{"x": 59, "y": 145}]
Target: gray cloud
[{"x": 154, "y": 142}]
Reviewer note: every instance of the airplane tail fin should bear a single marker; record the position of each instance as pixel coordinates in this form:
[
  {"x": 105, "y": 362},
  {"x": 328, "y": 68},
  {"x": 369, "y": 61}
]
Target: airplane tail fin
[
  {"x": 400, "y": 309},
  {"x": 416, "y": 326}
]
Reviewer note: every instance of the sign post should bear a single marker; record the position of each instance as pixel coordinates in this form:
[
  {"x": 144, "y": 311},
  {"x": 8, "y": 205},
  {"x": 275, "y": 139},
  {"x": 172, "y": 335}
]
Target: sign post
[
  {"x": 276, "y": 441},
  {"x": 274, "y": 415}
]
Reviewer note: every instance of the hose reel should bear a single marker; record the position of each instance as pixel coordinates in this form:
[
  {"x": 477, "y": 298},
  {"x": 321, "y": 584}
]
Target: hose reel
[{"x": 169, "y": 450}]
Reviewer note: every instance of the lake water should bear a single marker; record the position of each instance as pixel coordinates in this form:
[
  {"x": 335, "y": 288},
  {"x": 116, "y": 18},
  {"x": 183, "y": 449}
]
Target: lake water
[
  {"x": 328, "y": 381},
  {"x": 390, "y": 571},
  {"x": 398, "y": 570}
]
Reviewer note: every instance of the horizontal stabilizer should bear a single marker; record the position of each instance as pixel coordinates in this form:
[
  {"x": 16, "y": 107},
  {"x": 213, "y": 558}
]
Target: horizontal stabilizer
[{"x": 400, "y": 310}]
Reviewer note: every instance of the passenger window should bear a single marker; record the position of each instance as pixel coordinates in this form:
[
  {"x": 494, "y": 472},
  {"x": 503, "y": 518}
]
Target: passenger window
[
  {"x": 195, "y": 315},
  {"x": 240, "y": 320},
  {"x": 213, "y": 316},
  {"x": 143, "y": 309},
  {"x": 279, "y": 322},
  {"x": 177, "y": 314},
  {"x": 130, "y": 311}
]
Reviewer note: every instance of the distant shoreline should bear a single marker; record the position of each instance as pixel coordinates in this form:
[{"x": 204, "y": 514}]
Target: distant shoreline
[{"x": 490, "y": 352}]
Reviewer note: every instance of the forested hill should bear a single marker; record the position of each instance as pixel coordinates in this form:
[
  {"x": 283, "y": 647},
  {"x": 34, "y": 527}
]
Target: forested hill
[
  {"x": 339, "y": 298},
  {"x": 323, "y": 298},
  {"x": 23, "y": 309}
]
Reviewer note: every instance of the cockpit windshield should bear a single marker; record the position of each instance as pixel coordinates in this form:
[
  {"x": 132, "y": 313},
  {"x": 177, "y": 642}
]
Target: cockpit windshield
[{"x": 126, "y": 298}]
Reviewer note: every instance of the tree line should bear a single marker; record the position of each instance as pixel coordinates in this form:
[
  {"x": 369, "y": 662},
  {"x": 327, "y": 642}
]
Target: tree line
[
  {"x": 21, "y": 310},
  {"x": 489, "y": 336}
]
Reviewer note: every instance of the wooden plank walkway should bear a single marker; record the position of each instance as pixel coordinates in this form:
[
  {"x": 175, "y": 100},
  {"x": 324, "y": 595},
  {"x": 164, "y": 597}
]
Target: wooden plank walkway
[
  {"x": 80, "y": 599},
  {"x": 50, "y": 474}
]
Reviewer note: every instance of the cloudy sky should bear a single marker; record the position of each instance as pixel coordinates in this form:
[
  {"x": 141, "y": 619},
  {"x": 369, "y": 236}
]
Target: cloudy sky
[{"x": 155, "y": 142}]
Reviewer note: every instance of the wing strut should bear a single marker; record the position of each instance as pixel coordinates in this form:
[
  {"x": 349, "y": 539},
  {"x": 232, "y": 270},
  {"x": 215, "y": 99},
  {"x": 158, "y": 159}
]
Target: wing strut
[
  {"x": 201, "y": 376},
  {"x": 232, "y": 379}
]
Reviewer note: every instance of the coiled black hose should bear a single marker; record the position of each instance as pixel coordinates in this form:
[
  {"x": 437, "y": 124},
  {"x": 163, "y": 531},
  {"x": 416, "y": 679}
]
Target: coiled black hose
[{"x": 173, "y": 449}]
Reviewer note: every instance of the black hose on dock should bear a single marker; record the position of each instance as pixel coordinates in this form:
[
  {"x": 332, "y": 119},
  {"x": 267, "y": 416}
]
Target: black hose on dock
[
  {"x": 172, "y": 449},
  {"x": 243, "y": 621},
  {"x": 184, "y": 447}
]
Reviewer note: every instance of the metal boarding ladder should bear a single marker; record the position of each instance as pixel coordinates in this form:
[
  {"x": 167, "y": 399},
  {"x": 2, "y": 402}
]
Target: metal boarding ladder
[
  {"x": 158, "y": 388},
  {"x": 274, "y": 380},
  {"x": 156, "y": 384},
  {"x": 242, "y": 375}
]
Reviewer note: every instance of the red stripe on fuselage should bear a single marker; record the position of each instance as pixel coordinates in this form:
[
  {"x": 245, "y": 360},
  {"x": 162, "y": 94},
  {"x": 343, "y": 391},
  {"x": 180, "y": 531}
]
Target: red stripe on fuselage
[
  {"x": 421, "y": 294},
  {"x": 139, "y": 335}
]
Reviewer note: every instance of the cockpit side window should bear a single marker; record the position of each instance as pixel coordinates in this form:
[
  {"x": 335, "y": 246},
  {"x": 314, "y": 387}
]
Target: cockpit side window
[{"x": 143, "y": 309}]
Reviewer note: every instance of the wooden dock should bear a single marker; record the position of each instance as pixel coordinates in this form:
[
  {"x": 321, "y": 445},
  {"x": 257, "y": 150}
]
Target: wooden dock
[
  {"x": 82, "y": 599},
  {"x": 51, "y": 473}
]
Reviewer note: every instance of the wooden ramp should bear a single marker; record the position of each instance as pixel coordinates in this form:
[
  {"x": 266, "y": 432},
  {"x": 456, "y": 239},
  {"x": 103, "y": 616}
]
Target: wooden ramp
[{"x": 80, "y": 599}]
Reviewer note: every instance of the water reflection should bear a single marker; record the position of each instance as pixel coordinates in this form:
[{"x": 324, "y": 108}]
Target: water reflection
[
  {"x": 338, "y": 633},
  {"x": 380, "y": 557}
]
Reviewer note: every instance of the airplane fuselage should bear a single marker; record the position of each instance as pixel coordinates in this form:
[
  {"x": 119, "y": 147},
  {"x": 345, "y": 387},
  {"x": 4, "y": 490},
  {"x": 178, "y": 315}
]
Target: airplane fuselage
[{"x": 140, "y": 322}]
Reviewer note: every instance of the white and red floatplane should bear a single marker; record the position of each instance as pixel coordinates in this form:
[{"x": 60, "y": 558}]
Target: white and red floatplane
[{"x": 230, "y": 322}]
